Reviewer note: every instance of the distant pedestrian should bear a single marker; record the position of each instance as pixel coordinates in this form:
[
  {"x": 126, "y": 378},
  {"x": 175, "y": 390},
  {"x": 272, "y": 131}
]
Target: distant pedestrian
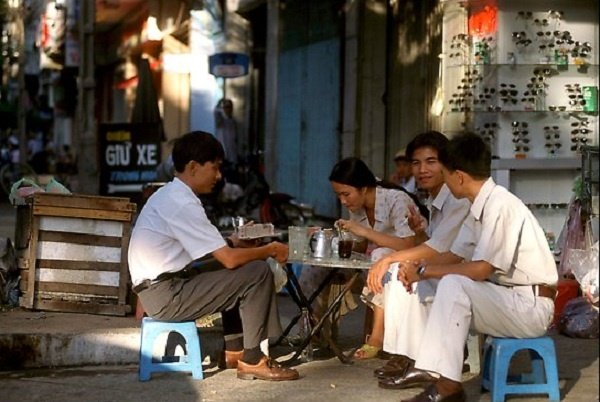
[
  {"x": 226, "y": 129},
  {"x": 403, "y": 176}
]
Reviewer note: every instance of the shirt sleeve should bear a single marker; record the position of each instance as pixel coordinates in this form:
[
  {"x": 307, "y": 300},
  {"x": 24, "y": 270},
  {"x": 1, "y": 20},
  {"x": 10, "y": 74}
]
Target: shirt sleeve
[
  {"x": 197, "y": 235},
  {"x": 464, "y": 244},
  {"x": 501, "y": 228},
  {"x": 444, "y": 234}
]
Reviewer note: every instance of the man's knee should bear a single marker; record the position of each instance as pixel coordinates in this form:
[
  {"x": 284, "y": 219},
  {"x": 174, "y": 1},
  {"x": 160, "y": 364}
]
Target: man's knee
[
  {"x": 451, "y": 285},
  {"x": 257, "y": 271}
]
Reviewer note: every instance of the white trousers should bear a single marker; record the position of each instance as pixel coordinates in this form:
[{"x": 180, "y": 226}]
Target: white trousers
[{"x": 433, "y": 330}]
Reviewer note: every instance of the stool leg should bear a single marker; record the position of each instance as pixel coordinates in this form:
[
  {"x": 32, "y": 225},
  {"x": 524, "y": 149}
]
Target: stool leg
[
  {"x": 499, "y": 373},
  {"x": 145, "y": 367},
  {"x": 195, "y": 356},
  {"x": 551, "y": 371}
]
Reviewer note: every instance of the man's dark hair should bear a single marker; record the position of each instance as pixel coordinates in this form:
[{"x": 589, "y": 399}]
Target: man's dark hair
[
  {"x": 431, "y": 139},
  {"x": 469, "y": 153},
  {"x": 196, "y": 146}
]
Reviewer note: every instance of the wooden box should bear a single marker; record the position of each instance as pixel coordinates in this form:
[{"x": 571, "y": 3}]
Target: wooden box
[{"x": 76, "y": 254}]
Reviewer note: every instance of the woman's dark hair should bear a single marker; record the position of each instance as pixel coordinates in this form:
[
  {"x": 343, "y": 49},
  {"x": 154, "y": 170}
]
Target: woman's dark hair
[
  {"x": 430, "y": 139},
  {"x": 469, "y": 153},
  {"x": 196, "y": 146},
  {"x": 354, "y": 172}
]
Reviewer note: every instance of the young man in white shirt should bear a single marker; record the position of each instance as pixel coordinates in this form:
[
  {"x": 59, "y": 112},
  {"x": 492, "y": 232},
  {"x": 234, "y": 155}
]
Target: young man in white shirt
[
  {"x": 498, "y": 278},
  {"x": 182, "y": 268},
  {"x": 446, "y": 217}
]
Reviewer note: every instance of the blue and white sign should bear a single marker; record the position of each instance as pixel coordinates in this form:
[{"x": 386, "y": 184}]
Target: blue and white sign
[{"x": 228, "y": 65}]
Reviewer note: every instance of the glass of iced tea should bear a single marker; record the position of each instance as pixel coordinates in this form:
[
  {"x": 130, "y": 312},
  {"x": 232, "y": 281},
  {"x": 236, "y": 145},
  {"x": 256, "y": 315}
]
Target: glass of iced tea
[{"x": 345, "y": 244}]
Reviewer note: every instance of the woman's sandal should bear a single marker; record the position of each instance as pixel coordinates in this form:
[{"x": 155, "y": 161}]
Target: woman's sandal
[{"x": 366, "y": 351}]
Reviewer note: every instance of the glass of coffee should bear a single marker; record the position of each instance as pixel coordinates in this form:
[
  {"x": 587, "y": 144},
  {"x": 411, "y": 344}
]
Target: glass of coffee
[{"x": 345, "y": 244}]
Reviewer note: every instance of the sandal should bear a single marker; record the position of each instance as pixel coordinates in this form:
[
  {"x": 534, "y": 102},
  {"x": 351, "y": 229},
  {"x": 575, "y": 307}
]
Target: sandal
[{"x": 366, "y": 351}]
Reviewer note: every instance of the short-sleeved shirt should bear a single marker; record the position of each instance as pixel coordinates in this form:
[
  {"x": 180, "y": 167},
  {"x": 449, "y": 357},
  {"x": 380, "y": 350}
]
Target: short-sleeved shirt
[
  {"x": 171, "y": 231},
  {"x": 391, "y": 210},
  {"x": 446, "y": 216},
  {"x": 502, "y": 231}
]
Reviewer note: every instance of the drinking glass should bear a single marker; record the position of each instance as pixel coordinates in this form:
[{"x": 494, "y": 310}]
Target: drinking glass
[{"x": 297, "y": 242}]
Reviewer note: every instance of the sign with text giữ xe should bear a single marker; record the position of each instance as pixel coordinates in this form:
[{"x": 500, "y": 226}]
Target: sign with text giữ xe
[{"x": 129, "y": 156}]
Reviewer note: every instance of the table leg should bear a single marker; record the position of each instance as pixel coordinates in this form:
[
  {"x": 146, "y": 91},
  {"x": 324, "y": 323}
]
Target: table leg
[
  {"x": 332, "y": 308},
  {"x": 295, "y": 292}
]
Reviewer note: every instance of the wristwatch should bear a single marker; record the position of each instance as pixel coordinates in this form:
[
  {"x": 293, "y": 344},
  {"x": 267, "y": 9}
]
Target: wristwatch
[{"x": 421, "y": 271}]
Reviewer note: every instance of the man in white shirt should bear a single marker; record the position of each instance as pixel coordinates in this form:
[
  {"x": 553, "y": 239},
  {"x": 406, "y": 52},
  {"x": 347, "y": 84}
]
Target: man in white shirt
[
  {"x": 182, "y": 268},
  {"x": 498, "y": 278},
  {"x": 446, "y": 217}
]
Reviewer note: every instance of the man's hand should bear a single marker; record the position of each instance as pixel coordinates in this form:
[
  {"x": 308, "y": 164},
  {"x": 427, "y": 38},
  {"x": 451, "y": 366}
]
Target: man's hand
[
  {"x": 376, "y": 274},
  {"x": 407, "y": 273},
  {"x": 416, "y": 221},
  {"x": 278, "y": 251}
]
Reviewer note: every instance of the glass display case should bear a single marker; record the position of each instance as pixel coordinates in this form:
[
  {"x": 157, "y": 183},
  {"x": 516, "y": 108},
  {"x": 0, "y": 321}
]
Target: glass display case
[{"x": 524, "y": 76}]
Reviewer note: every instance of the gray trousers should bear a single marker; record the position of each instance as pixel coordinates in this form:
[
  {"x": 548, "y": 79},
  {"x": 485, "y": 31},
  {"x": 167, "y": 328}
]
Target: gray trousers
[{"x": 245, "y": 296}]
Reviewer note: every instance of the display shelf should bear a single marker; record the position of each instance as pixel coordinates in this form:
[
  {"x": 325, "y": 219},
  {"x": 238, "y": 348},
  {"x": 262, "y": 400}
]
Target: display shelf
[
  {"x": 559, "y": 67},
  {"x": 544, "y": 112},
  {"x": 537, "y": 164},
  {"x": 509, "y": 67}
]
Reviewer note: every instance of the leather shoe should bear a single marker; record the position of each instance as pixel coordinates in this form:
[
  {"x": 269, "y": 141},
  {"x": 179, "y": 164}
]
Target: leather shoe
[
  {"x": 431, "y": 395},
  {"x": 228, "y": 359},
  {"x": 395, "y": 367},
  {"x": 265, "y": 369},
  {"x": 412, "y": 378}
]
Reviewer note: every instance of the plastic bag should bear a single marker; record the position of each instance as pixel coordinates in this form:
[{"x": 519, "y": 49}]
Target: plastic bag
[
  {"x": 22, "y": 189},
  {"x": 584, "y": 265},
  {"x": 579, "y": 319},
  {"x": 279, "y": 275},
  {"x": 55, "y": 187},
  {"x": 572, "y": 236}
]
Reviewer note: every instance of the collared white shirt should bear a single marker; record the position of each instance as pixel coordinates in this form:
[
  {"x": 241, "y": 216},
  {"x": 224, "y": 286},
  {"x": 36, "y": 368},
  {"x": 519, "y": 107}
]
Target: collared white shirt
[
  {"x": 391, "y": 210},
  {"x": 171, "y": 231},
  {"x": 502, "y": 231},
  {"x": 409, "y": 185},
  {"x": 446, "y": 216}
]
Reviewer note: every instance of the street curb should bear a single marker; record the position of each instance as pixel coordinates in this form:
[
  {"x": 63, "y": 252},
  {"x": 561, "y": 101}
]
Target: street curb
[{"x": 97, "y": 347}]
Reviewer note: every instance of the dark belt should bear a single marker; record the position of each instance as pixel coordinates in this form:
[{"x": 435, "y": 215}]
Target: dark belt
[
  {"x": 545, "y": 291},
  {"x": 187, "y": 272}
]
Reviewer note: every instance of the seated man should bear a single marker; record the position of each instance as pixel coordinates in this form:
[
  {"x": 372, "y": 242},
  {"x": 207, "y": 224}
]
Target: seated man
[
  {"x": 498, "y": 278},
  {"x": 182, "y": 268},
  {"x": 446, "y": 215}
]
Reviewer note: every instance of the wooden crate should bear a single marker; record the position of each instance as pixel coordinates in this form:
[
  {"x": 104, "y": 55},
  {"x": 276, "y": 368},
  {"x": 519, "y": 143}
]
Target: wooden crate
[{"x": 76, "y": 257}]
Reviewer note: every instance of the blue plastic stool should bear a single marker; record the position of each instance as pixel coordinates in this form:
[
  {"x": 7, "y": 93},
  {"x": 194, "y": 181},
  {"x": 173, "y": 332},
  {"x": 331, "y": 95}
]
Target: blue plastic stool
[
  {"x": 192, "y": 361},
  {"x": 543, "y": 379}
]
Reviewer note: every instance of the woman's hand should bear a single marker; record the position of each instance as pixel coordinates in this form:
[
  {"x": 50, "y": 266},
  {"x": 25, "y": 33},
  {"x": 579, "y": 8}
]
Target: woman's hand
[{"x": 351, "y": 226}]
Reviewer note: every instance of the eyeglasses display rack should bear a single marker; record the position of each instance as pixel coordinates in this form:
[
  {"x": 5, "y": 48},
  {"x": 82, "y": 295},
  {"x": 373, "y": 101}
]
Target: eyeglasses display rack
[{"x": 524, "y": 76}]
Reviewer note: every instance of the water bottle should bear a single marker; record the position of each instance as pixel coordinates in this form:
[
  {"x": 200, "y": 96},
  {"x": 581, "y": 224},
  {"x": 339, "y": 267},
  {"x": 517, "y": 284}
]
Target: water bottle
[{"x": 305, "y": 329}]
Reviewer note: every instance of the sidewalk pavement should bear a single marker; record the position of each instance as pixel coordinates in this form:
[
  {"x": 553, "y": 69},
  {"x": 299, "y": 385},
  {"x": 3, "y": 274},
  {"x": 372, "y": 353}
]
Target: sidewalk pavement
[{"x": 105, "y": 348}]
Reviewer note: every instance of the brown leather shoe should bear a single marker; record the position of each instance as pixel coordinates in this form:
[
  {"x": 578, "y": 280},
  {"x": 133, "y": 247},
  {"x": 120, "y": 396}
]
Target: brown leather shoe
[
  {"x": 266, "y": 369},
  {"x": 395, "y": 367},
  {"x": 412, "y": 378},
  {"x": 228, "y": 359},
  {"x": 431, "y": 395}
]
